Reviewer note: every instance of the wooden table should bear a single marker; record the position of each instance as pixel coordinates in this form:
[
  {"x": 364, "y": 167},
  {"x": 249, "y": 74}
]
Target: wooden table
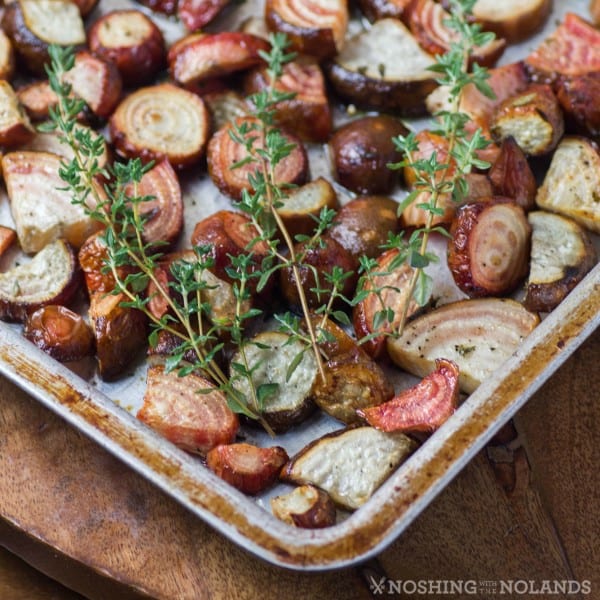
[{"x": 526, "y": 508}]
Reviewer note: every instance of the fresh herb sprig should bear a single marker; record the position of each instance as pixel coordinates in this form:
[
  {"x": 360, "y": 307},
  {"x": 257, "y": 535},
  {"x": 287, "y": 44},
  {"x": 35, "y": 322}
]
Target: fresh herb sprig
[
  {"x": 266, "y": 146},
  {"x": 133, "y": 263},
  {"x": 437, "y": 176}
]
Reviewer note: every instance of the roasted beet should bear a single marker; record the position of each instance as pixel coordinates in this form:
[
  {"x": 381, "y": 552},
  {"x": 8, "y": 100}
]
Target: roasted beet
[
  {"x": 387, "y": 288},
  {"x": 514, "y": 20},
  {"x": 223, "y": 151},
  {"x": 161, "y": 121},
  {"x": 305, "y": 506},
  {"x": 301, "y": 208},
  {"x": 428, "y": 23},
  {"x": 130, "y": 40},
  {"x": 248, "y": 468},
  {"x": 202, "y": 56},
  {"x": 307, "y": 114},
  {"x": 15, "y": 128},
  {"x": 323, "y": 258},
  {"x": 533, "y": 118},
  {"x": 571, "y": 50},
  {"x": 51, "y": 277},
  {"x": 362, "y": 225},
  {"x": 578, "y": 97},
  {"x": 196, "y": 422},
  {"x": 562, "y": 254},
  {"x": 361, "y": 151},
  {"x": 368, "y": 73},
  {"x": 229, "y": 234},
  {"x": 60, "y": 332},
  {"x": 422, "y": 407},
  {"x": 512, "y": 177},
  {"x": 163, "y": 212},
  {"x": 33, "y": 25},
  {"x": 195, "y": 14},
  {"x": 489, "y": 251},
  {"x": 314, "y": 27}
]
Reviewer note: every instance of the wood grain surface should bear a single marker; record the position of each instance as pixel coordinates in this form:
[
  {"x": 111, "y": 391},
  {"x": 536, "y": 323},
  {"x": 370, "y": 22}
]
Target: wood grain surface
[{"x": 526, "y": 508}]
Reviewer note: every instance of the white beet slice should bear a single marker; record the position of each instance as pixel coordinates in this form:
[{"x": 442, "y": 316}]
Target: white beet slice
[
  {"x": 478, "y": 335},
  {"x": 369, "y": 72},
  {"x": 51, "y": 277},
  {"x": 269, "y": 355},
  {"x": 54, "y": 21},
  {"x": 41, "y": 210},
  {"x": 561, "y": 255},
  {"x": 15, "y": 128},
  {"x": 572, "y": 184},
  {"x": 349, "y": 464}
]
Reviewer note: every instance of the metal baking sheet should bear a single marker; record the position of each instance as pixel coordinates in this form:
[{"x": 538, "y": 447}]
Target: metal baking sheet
[{"x": 105, "y": 411}]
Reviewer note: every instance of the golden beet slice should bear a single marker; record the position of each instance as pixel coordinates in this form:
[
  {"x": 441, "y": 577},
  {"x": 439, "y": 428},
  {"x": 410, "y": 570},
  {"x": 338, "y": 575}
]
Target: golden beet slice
[
  {"x": 189, "y": 411},
  {"x": 161, "y": 121},
  {"x": 223, "y": 152}
]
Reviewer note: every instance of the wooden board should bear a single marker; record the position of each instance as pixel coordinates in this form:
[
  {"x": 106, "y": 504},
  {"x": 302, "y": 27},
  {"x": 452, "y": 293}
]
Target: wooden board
[{"x": 78, "y": 514}]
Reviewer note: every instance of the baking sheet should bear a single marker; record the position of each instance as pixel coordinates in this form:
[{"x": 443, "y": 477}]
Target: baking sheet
[{"x": 104, "y": 411}]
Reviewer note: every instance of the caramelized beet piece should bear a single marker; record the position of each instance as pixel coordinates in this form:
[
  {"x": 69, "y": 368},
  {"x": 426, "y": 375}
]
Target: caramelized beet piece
[
  {"x": 189, "y": 411},
  {"x": 248, "y": 468},
  {"x": 423, "y": 407},
  {"x": 512, "y": 177},
  {"x": 59, "y": 332},
  {"x": 571, "y": 50},
  {"x": 489, "y": 250}
]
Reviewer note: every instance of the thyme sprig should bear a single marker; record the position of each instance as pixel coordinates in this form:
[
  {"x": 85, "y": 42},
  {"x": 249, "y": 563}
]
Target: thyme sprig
[
  {"x": 133, "y": 263},
  {"x": 438, "y": 176},
  {"x": 266, "y": 146}
]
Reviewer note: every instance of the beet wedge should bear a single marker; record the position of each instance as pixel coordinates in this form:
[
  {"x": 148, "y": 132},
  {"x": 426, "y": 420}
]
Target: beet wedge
[
  {"x": 428, "y": 23},
  {"x": 60, "y": 332},
  {"x": 120, "y": 333},
  {"x": 32, "y": 25},
  {"x": 248, "y": 468},
  {"x": 478, "y": 335},
  {"x": 164, "y": 211},
  {"x": 130, "y": 40},
  {"x": 161, "y": 121},
  {"x": 229, "y": 234},
  {"x": 199, "y": 56},
  {"x": 562, "y": 254},
  {"x": 42, "y": 211},
  {"x": 424, "y": 407},
  {"x": 514, "y": 20},
  {"x": 570, "y": 51},
  {"x": 96, "y": 81},
  {"x": 195, "y": 14},
  {"x": 368, "y": 73},
  {"x": 392, "y": 285},
  {"x": 349, "y": 464},
  {"x": 533, "y": 118},
  {"x": 51, "y": 277},
  {"x": 314, "y": 27},
  {"x": 305, "y": 506},
  {"x": 512, "y": 177},
  {"x": 37, "y": 98},
  {"x": 307, "y": 114},
  {"x": 15, "y": 128},
  {"x": 189, "y": 411}
]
